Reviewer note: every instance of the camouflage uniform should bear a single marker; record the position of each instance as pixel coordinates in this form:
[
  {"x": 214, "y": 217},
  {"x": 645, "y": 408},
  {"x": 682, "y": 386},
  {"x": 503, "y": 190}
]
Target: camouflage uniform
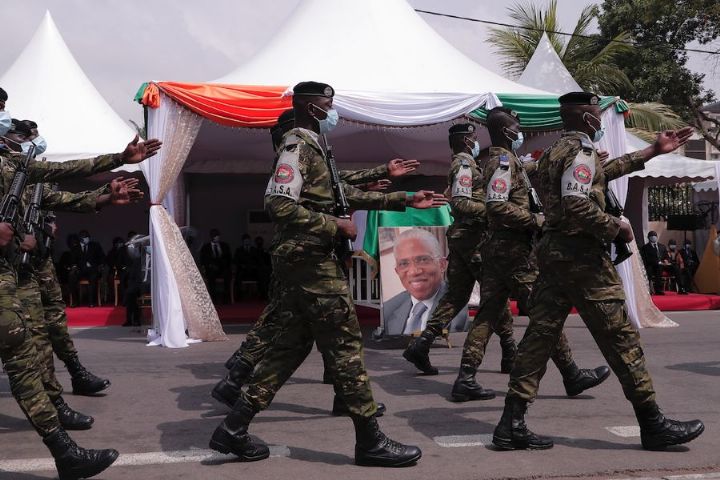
[
  {"x": 54, "y": 311},
  {"x": 267, "y": 326},
  {"x": 575, "y": 270},
  {"x": 464, "y": 261},
  {"x": 509, "y": 262},
  {"x": 17, "y": 350},
  {"x": 311, "y": 291},
  {"x": 29, "y": 290}
]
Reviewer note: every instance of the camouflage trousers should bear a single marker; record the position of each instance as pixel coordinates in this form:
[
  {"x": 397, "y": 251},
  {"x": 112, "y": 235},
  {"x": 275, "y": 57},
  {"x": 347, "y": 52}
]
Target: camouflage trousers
[
  {"x": 574, "y": 273},
  {"x": 311, "y": 302},
  {"x": 28, "y": 292},
  {"x": 54, "y": 312},
  {"x": 20, "y": 359},
  {"x": 464, "y": 269},
  {"x": 509, "y": 269}
]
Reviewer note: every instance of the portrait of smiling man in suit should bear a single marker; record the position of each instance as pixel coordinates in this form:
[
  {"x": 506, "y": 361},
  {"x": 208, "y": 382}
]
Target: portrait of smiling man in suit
[{"x": 419, "y": 263}]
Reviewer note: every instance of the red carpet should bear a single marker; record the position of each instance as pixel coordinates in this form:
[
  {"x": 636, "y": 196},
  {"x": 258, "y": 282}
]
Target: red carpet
[{"x": 248, "y": 312}]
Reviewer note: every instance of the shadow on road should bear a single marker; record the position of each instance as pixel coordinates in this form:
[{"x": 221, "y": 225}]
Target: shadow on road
[{"x": 703, "y": 368}]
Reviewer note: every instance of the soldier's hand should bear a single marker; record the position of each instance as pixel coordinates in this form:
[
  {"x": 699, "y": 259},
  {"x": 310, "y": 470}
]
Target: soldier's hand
[
  {"x": 378, "y": 186},
  {"x": 603, "y": 155},
  {"x": 538, "y": 220},
  {"x": 6, "y": 234},
  {"x": 670, "y": 140},
  {"x": 346, "y": 228},
  {"x": 124, "y": 191},
  {"x": 28, "y": 244},
  {"x": 625, "y": 234},
  {"x": 426, "y": 199},
  {"x": 398, "y": 167},
  {"x": 137, "y": 151}
]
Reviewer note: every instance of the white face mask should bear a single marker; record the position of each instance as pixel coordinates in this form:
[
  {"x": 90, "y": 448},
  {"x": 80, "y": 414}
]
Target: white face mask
[{"x": 653, "y": 239}]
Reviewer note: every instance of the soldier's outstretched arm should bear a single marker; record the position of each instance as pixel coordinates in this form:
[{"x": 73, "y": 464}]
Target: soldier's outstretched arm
[
  {"x": 135, "y": 152},
  {"x": 367, "y": 175},
  {"x": 360, "y": 200}
]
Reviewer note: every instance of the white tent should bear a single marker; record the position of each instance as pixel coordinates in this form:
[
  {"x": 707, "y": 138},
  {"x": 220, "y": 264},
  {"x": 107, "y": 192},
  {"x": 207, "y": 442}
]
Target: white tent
[
  {"x": 46, "y": 84},
  {"x": 545, "y": 70}
]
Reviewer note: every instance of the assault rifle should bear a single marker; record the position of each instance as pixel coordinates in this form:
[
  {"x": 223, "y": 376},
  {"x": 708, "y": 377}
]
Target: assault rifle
[
  {"x": 613, "y": 207},
  {"x": 11, "y": 200},
  {"x": 344, "y": 248},
  {"x": 31, "y": 221}
]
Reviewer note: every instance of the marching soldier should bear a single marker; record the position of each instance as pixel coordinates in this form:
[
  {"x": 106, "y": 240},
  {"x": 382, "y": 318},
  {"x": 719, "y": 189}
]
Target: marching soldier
[
  {"x": 464, "y": 264},
  {"x": 508, "y": 259},
  {"x": 17, "y": 350},
  {"x": 576, "y": 271},
  {"x": 312, "y": 289}
]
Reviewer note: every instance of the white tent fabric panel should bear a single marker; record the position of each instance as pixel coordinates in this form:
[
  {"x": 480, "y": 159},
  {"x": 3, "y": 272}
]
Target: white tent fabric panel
[
  {"x": 46, "y": 84},
  {"x": 672, "y": 165},
  {"x": 372, "y": 45},
  {"x": 542, "y": 71}
]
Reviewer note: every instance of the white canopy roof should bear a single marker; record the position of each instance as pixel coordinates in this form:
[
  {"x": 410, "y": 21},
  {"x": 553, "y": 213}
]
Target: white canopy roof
[
  {"x": 545, "y": 71},
  {"x": 46, "y": 84},
  {"x": 369, "y": 45}
]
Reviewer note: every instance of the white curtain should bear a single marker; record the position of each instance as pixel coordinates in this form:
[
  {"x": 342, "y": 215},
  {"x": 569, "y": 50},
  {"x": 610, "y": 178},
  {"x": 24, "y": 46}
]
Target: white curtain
[
  {"x": 409, "y": 109},
  {"x": 641, "y": 309},
  {"x": 179, "y": 298}
]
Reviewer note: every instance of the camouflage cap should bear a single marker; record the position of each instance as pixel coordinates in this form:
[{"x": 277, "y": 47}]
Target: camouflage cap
[
  {"x": 579, "y": 98},
  {"x": 314, "y": 89}
]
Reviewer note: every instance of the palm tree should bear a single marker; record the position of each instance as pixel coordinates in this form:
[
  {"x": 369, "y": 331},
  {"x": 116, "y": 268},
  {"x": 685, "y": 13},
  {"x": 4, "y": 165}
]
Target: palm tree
[{"x": 589, "y": 59}]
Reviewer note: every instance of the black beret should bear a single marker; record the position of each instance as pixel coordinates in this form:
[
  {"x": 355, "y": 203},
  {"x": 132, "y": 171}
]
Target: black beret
[
  {"x": 314, "y": 89},
  {"x": 579, "y": 98},
  {"x": 3, "y": 95},
  {"x": 505, "y": 111},
  {"x": 19, "y": 127},
  {"x": 462, "y": 128}
]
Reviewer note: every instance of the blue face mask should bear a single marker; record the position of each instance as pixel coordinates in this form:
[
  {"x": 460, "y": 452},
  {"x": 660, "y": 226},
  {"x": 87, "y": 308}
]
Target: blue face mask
[
  {"x": 40, "y": 145},
  {"x": 330, "y": 121},
  {"x": 5, "y": 122},
  {"x": 599, "y": 132},
  {"x": 475, "y": 149},
  {"x": 517, "y": 142}
]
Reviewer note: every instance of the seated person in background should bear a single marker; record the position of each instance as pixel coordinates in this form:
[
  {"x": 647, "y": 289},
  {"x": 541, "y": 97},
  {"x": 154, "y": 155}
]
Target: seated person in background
[
  {"x": 692, "y": 262},
  {"x": 677, "y": 267},
  {"x": 88, "y": 257},
  {"x": 132, "y": 259},
  {"x": 115, "y": 266},
  {"x": 216, "y": 261},
  {"x": 67, "y": 269},
  {"x": 654, "y": 254}
]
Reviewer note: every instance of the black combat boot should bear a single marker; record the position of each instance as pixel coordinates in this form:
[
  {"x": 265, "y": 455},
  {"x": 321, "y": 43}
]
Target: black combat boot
[
  {"x": 658, "y": 432},
  {"x": 340, "y": 408},
  {"x": 232, "y": 437},
  {"x": 512, "y": 433},
  {"x": 577, "y": 380},
  {"x": 374, "y": 449},
  {"x": 418, "y": 353},
  {"x": 84, "y": 382},
  {"x": 509, "y": 350},
  {"x": 227, "y": 390},
  {"x": 466, "y": 388},
  {"x": 69, "y": 418},
  {"x": 73, "y": 462},
  {"x": 233, "y": 358}
]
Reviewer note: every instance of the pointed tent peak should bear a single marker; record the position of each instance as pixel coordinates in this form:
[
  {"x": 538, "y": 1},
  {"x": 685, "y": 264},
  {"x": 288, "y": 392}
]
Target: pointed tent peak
[
  {"x": 47, "y": 85},
  {"x": 545, "y": 70},
  {"x": 372, "y": 45}
]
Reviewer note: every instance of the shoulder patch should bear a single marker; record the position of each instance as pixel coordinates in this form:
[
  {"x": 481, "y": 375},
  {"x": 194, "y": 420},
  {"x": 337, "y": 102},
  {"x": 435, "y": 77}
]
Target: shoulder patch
[
  {"x": 498, "y": 189},
  {"x": 586, "y": 144},
  {"x": 578, "y": 177},
  {"x": 463, "y": 183},
  {"x": 504, "y": 161},
  {"x": 286, "y": 180}
]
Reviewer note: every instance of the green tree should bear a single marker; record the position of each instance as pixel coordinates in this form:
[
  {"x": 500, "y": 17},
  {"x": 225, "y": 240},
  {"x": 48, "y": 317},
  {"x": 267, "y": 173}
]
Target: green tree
[
  {"x": 660, "y": 29},
  {"x": 590, "y": 59}
]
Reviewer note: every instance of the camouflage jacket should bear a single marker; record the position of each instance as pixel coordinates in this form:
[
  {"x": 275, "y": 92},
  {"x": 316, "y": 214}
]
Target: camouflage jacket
[
  {"x": 367, "y": 175},
  {"x": 507, "y": 201},
  {"x": 467, "y": 192},
  {"x": 574, "y": 187},
  {"x": 299, "y": 195}
]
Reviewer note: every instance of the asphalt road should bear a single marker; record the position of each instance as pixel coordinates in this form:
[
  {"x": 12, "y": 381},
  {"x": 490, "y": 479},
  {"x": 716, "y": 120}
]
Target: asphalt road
[{"x": 159, "y": 414}]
